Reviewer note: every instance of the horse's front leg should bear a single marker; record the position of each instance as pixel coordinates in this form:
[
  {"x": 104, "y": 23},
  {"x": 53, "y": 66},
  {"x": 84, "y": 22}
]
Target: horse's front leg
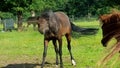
[
  {"x": 44, "y": 52},
  {"x": 60, "y": 52},
  {"x": 56, "y": 50}
]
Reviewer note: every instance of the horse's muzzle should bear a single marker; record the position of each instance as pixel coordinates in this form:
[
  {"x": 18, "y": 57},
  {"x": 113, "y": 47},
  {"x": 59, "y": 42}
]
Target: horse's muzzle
[{"x": 103, "y": 43}]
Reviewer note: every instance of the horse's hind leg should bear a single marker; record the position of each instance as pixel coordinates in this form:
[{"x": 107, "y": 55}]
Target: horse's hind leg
[
  {"x": 56, "y": 50},
  {"x": 68, "y": 37}
]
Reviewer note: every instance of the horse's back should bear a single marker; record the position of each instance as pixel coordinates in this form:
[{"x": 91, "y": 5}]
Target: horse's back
[{"x": 64, "y": 21}]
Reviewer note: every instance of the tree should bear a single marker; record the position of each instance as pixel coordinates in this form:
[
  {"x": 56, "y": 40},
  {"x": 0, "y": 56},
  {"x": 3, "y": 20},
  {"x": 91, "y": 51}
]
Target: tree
[
  {"x": 40, "y": 5},
  {"x": 77, "y": 8},
  {"x": 16, "y": 7}
]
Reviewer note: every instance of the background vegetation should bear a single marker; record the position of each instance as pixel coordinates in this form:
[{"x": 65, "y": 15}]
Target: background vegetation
[{"x": 76, "y": 8}]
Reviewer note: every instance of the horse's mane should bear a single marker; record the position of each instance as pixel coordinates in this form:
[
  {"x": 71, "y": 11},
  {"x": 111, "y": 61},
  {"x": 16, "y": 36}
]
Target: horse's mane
[
  {"x": 52, "y": 20},
  {"x": 104, "y": 18},
  {"x": 110, "y": 18}
]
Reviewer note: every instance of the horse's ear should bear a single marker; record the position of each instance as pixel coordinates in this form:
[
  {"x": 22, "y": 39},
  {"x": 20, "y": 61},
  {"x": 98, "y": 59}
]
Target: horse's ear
[
  {"x": 101, "y": 20},
  {"x": 104, "y": 18}
]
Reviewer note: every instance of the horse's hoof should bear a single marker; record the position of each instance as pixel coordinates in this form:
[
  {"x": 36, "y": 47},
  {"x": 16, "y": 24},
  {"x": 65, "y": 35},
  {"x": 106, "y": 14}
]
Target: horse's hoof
[{"x": 73, "y": 62}]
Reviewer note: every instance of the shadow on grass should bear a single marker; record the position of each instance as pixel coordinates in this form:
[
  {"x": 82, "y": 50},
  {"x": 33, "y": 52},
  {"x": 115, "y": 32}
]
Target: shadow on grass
[
  {"x": 26, "y": 65},
  {"x": 29, "y": 65}
]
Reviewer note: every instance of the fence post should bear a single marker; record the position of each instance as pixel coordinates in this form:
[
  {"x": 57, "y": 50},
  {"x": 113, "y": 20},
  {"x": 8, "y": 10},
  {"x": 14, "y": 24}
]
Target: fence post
[{"x": 8, "y": 24}]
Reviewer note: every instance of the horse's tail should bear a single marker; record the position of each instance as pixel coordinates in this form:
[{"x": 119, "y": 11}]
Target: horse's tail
[
  {"x": 75, "y": 28},
  {"x": 83, "y": 30}
]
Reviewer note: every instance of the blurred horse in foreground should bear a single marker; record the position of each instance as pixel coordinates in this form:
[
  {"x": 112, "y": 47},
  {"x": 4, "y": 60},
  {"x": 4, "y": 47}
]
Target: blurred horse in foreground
[
  {"x": 54, "y": 25},
  {"x": 111, "y": 29}
]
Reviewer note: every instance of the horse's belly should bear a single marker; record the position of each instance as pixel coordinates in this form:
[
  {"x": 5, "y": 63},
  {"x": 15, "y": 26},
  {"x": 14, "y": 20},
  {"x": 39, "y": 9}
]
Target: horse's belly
[{"x": 65, "y": 31}]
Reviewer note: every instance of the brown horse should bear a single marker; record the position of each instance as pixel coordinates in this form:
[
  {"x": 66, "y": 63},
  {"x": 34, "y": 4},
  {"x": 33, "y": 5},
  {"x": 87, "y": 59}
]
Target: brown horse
[
  {"x": 54, "y": 25},
  {"x": 111, "y": 29},
  {"x": 33, "y": 21}
]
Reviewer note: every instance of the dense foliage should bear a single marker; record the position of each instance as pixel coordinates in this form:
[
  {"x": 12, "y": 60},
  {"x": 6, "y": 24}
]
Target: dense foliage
[{"x": 76, "y": 8}]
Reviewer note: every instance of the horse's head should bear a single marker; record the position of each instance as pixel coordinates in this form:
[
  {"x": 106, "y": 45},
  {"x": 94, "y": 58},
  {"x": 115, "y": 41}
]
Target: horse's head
[
  {"x": 109, "y": 22},
  {"x": 47, "y": 23},
  {"x": 104, "y": 21},
  {"x": 42, "y": 25}
]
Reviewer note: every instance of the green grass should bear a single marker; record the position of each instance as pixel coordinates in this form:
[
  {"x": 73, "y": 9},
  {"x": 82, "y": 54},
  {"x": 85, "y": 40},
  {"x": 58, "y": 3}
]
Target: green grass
[{"x": 26, "y": 47}]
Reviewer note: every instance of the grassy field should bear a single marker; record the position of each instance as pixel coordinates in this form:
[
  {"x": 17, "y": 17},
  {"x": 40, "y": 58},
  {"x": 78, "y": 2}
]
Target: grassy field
[{"x": 24, "y": 49}]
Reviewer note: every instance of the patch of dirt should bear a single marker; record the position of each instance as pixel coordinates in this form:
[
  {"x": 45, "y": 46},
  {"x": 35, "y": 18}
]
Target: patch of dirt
[{"x": 19, "y": 62}]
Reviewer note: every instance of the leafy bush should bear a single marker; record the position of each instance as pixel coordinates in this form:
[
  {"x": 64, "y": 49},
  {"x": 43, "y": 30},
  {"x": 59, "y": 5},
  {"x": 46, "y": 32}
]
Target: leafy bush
[{"x": 6, "y": 15}]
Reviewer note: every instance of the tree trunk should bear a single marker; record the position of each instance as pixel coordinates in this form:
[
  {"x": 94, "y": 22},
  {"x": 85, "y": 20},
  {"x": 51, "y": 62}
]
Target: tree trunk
[{"x": 19, "y": 24}]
